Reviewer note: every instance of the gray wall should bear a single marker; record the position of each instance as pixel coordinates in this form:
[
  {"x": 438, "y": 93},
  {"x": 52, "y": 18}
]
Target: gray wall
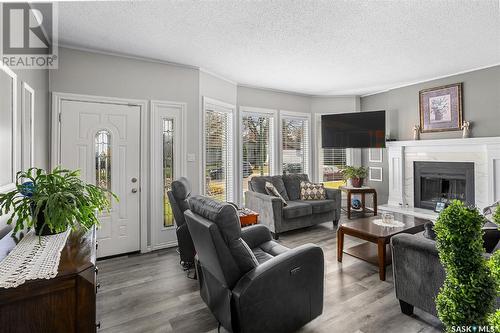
[
  {"x": 38, "y": 79},
  {"x": 481, "y": 106},
  {"x": 269, "y": 99},
  {"x": 217, "y": 88},
  {"x": 340, "y": 104},
  {"x": 104, "y": 75}
]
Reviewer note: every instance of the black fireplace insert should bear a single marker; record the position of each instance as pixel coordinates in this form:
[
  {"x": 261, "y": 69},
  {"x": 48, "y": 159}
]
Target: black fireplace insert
[{"x": 442, "y": 182}]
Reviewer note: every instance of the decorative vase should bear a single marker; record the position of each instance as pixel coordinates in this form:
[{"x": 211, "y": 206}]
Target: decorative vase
[
  {"x": 40, "y": 229},
  {"x": 357, "y": 182}
]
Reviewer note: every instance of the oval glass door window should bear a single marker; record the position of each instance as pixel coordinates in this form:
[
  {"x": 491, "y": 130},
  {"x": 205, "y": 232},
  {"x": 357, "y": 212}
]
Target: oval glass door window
[{"x": 103, "y": 160}]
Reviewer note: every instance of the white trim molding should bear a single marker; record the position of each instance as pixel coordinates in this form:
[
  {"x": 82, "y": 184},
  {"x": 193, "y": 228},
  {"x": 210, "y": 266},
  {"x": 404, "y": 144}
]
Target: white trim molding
[
  {"x": 286, "y": 114},
  {"x": 273, "y": 144},
  {"x": 14, "y": 148},
  {"x": 144, "y": 177},
  {"x": 372, "y": 177},
  {"x": 375, "y": 158},
  {"x": 162, "y": 237},
  {"x": 25, "y": 128},
  {"x": 220, "y": 106}
]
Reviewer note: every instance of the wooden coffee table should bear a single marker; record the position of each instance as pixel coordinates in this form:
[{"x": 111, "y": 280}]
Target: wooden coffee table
[{"x": 375, "y": 250}]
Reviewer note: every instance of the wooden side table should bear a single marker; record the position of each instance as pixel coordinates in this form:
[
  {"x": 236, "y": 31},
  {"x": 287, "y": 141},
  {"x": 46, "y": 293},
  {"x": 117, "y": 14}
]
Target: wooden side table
[
  {"x": 362, "y": 191},
  {"x": 248, "y": 217}
]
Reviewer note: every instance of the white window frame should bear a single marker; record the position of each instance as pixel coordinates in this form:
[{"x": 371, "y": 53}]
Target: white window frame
[
  {"x": 26, "y": 88},
  {"x": 219, "y": 106},
  {"x": 260, "y": 112},
  {"x": 285, "y": 114},
  {"x": 15, "y": 164}
]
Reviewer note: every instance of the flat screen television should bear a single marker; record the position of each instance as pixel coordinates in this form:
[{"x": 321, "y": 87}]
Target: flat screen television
[{"x": 353, "y": 130}]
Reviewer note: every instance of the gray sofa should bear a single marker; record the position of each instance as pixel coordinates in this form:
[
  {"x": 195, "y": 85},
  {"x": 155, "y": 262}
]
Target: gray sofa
[
  {"x": 298, "y": 213},
  {"x": 249, "y": 282}
]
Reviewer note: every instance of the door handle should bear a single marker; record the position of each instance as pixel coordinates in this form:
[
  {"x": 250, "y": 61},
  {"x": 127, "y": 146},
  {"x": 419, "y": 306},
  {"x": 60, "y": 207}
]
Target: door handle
[{"x": 134, "y": 190}]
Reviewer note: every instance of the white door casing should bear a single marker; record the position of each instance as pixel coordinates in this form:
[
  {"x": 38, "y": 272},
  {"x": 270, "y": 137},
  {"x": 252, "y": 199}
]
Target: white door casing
[
  {"x": 80, "y": 120},
  {"x": 165, "y": 236},
  {"x": 27, "y": 126}
]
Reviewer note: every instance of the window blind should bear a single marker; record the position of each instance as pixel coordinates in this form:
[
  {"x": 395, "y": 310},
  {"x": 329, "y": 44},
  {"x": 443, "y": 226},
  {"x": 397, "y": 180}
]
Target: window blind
[
  {"x": 257, "y": 147},
  {"x": 295, "y": 145},
  {"x": 219, "y": 170},
  {"x": 332, "y": 159}
]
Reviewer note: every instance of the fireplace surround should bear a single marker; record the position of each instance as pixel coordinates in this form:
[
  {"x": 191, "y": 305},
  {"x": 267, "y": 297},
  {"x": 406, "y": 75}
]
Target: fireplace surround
[
  {"x": 442, "y": 182},
  {"x": 483, "y": 153}
]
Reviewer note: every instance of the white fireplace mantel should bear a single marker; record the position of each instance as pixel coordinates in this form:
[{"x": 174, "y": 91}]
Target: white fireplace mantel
[{"x": 484, "y": 152}]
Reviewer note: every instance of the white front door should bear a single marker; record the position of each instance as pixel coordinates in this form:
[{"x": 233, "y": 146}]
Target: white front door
[
  {"x": 103, "y": 141},
  {"x": 166, "y": 129}
]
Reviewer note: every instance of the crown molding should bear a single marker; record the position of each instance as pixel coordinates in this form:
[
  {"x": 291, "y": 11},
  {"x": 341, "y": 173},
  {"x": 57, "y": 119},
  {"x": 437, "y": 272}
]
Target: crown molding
[
  {"x": 243, "y": 85},
  {"x": 123, "y": 55},
  {"x": 432, "y": 79},
  {"x": 220, "y": 77}
]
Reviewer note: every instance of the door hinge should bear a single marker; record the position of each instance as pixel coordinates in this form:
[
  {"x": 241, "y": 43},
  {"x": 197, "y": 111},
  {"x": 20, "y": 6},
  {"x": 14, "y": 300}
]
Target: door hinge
[{"x": 59, "y": 116}]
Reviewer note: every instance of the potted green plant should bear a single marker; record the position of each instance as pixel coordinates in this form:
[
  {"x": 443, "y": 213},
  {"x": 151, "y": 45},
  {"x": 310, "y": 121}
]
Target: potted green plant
[
  {"x": 52, "y": 202},
  {"x": 355, "y": 174},
  {"x": 467, "y": 296}
]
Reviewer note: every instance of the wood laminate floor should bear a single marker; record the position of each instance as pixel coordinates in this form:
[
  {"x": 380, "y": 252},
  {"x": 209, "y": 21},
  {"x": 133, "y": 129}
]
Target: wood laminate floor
[{"x": 151, "y": 293}]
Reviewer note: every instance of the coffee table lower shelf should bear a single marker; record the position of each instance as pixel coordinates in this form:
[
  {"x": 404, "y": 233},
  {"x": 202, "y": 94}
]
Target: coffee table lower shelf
[{"x": 369, "y": 252}]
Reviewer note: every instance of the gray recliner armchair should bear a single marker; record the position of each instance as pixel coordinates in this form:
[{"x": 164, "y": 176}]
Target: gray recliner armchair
[
  {"x": 248, "y": 281},
  {"x": 178, "y": 198}
]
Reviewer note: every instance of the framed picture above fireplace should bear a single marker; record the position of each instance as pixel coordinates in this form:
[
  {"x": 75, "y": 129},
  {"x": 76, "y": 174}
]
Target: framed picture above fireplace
[{"x": 441, "y": 108}]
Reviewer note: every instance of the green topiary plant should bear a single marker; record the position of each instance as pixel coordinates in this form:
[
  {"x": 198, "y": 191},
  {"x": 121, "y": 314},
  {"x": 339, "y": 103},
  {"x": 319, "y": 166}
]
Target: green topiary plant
[
  {"x": 468, "y": 294},
  {"x": 496, "y": 215},
  {"x": 494, "y": 265},
  {"x": 52, "y": 202}
]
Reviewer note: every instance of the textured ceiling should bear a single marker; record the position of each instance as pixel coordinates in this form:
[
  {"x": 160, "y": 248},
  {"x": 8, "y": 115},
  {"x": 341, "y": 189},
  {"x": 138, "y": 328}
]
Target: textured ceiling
[{"x": 312, "y": 47}]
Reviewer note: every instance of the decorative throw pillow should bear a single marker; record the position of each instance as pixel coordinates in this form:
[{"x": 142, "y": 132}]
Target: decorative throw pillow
[
  {"x": 273, "y": 191},
  {"x": 312, "y": 191}
]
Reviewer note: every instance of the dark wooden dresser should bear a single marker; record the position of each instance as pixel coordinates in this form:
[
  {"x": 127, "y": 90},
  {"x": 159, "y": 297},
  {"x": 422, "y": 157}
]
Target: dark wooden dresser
[{"x": 65, "y": 304}]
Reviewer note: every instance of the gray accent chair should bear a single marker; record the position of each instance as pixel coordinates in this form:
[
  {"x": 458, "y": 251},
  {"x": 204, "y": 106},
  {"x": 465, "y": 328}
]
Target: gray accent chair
[
  {"x": 178, "y": 198},
  {"x": 249, "y": 282},
  {"x": 418, "y": 272},
  {"x": 298, "y": 213}
]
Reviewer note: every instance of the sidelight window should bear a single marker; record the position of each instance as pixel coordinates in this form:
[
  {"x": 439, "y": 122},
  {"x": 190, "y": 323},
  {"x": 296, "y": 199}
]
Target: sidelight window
[{"x": 168, "y": 169}]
